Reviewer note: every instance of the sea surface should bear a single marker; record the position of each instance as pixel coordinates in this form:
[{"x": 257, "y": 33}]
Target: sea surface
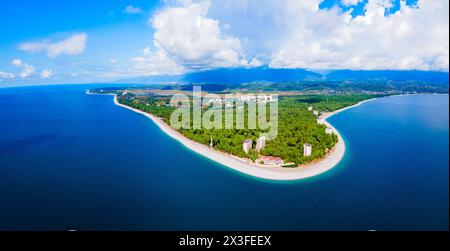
[{"x": 69, "y": 160}]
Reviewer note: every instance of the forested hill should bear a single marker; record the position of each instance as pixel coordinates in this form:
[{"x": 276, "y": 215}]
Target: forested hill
[
  {"x": 423, "y": 76},
  {"x": 245, "y": 75}
]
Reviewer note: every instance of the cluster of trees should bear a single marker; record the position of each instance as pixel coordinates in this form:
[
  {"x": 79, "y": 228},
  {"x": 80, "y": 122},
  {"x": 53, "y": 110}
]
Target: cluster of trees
[
  {"x": 347, "y": 86},
  {"x": 296, "y": 126},
  {"x": 151, "y": 104}
]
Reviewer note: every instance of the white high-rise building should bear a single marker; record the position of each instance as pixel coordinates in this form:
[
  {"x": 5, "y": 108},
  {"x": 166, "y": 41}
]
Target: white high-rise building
[
  {"x": 260, "y": 143},
  {"x": 247, "y": 145},
  {"x": 307, "y": 149}
]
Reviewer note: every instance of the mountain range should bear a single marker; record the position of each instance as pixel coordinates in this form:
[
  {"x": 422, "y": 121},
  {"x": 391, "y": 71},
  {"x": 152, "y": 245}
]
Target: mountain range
[{"x": 265, "y": 74}]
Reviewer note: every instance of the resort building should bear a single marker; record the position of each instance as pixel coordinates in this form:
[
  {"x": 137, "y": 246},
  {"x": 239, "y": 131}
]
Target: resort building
[
  {"x": 260, "y": 143},
  {"x": 211, "y": 143},
  {"x": 310, "y": 108},
  {"x": 328, "y": 130},
  {"x": 319, "y": 121},
  {"x": 307, "y": 149},
  {"x": 247, "y": 145},
  {"x": 260, "y": 99},
  {"x": 245, "y": 98},
  {"x": 249, "y": 98},
  {"x": 207, "y": 102},
  {"x": 316, "y": 112},
  {"x": 265, "y": 98},
  {"x": 271, "y": 160}
]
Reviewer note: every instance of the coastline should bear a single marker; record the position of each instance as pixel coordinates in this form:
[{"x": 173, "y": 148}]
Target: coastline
[{"x": 245, "y": 166}]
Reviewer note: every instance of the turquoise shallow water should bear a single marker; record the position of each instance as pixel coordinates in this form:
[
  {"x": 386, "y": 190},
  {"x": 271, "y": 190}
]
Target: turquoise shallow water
[{"x": 74, "y": 161}]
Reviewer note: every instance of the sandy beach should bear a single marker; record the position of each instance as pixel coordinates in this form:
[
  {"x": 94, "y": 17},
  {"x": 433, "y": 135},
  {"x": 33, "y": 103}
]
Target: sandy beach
[{"x": 256, "y": 170}]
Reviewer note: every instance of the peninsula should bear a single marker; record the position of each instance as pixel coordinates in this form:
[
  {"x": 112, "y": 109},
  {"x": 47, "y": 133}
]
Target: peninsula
[{"x": 316, "y": 149}]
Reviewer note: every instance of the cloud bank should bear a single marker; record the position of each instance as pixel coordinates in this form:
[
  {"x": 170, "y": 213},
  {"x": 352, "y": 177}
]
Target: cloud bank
[
  {"x": 196, "y": 35},
  {"x": 415, "y": 37}
]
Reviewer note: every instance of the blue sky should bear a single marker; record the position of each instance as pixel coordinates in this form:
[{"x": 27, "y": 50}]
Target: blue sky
[
  {"x": 97, "y": 41},
  {"x": 111, "y": 33}
]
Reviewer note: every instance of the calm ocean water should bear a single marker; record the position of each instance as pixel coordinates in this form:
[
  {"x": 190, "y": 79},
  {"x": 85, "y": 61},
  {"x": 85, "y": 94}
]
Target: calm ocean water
[{"x": 74, "y": 161}]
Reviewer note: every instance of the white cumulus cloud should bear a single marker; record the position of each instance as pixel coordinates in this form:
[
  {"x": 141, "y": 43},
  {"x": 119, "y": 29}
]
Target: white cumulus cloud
[
  {"x": 350, "y": 2},
  {"x": 72, "y": 45},
  {"x": 6, "y": 75},
  {"x": 26, "y": 70},
  {"x": 255, "y": 63},
  {"x": 193, "y": 40},
  {"x": 46, "y": 73},
  {"x": 415, "y": 37},
  {"x": 298, "y": 34},
  {"x": 155, "y": 63},
  {"x": 130, "y": 9}
]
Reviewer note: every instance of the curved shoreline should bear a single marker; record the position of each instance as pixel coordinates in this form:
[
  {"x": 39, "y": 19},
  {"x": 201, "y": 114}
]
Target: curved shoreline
[{"x": 245, "y": 166}]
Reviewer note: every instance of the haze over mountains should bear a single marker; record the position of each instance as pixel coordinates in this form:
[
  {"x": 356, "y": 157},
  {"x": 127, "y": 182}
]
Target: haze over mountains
[{"x": 265, "y": 74}]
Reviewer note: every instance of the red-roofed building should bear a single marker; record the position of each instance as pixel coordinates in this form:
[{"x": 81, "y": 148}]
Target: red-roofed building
[{"x": 271, "y": 160}]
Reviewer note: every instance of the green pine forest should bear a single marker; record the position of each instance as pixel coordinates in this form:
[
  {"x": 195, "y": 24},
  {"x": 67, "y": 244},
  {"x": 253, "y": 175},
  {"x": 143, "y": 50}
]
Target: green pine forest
[{"x": 296, "y": 125}]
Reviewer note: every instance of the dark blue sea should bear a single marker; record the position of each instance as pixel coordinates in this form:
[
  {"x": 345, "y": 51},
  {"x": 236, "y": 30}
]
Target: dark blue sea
[{"x": 74, "y": 161}]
